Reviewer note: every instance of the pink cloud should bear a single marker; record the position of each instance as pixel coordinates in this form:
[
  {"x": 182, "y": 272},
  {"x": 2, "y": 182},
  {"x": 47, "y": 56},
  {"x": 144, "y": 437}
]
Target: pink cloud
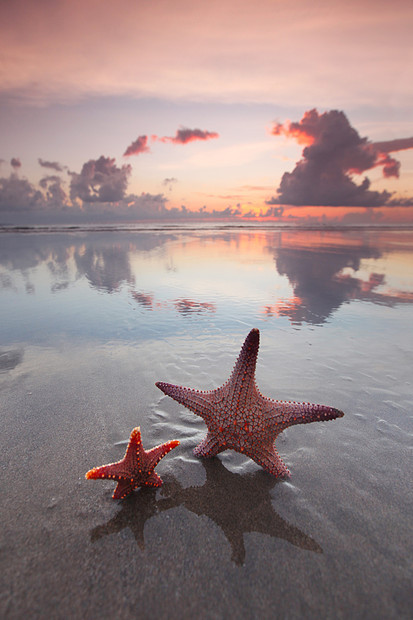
[
  {"x": 185, "y": 135},
  {"x": 137, "y": 147}
]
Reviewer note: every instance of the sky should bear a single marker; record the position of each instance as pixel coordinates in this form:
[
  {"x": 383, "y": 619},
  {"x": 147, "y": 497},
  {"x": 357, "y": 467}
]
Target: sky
[{"x": 295, "y": 111}]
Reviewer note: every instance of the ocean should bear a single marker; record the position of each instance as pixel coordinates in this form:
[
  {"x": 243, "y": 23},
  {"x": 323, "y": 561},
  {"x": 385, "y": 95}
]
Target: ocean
[{"x": 92, "y": 317}]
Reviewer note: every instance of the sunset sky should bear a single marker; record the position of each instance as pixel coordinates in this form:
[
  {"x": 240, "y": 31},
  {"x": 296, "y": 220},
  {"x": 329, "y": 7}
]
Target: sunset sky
[{"x": 152, "y": 109}]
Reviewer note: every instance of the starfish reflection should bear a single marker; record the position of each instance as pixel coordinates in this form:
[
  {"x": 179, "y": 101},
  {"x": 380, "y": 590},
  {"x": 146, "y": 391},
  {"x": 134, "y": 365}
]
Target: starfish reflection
[{"x": 237, "y": 503}]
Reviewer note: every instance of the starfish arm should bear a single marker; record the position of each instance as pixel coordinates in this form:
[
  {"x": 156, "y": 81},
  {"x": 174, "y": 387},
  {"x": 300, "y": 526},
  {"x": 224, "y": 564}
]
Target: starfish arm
[
  {"x": 153, "y": 456},
  {"x": 154, "y": 480},
  {"x": 130, "y": 462},
  {"x": 209, "y": 446},
  {"x": 281, "y": 414},
  {"x": 123, "y": 489},
  {"x": 197, "y": 401},
  {"x": 135, "y": 453},
  {"x": 268, "y": 458},
  {"x": 243, "y": 374},
  {"x": 111, "y": 471}
]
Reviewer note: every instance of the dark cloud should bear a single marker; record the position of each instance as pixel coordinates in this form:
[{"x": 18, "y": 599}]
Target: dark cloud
[
  {"x": 53, "y": 165},
  {"x": 228, "y": 212},
  {"x": 401, "y": 202},
  {"x": 145, "y": 206},
  {"x": 333, "y": 152},
  {"x": 185, "y": 135},
  {"x": 137, "y": 147},
  {"x": 22, "y": 202},
  {"x": 272, "y": 211},
  {"x": 100, "y": 181},
  {"x": 54, "y": 192},
  {"x": 15, "y": 162},
  {"x": 169, "y": 182},
  {"x": 98, "y": 193},
  {"x": 19, "y": 194}
]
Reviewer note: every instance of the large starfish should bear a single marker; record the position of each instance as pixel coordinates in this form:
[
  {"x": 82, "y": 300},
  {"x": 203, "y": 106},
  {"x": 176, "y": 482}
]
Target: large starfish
[
  {"x": 239, "y": 418},
  {"x": 136, "y": 469}
]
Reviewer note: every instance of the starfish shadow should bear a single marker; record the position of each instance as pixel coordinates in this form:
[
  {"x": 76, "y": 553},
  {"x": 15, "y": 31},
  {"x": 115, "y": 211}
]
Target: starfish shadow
[
  {"x": 137, "y": 508},
  {"x": 237, "y": 503}
]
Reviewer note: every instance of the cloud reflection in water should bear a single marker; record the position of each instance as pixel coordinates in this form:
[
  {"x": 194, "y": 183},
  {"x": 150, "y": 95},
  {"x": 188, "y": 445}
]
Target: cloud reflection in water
[{"x": 305, "y": 276}]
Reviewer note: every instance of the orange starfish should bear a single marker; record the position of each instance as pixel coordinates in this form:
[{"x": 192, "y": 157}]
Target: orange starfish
[
  {"x": 239, "y": 418},
  {"x": 136, "y": 469}
]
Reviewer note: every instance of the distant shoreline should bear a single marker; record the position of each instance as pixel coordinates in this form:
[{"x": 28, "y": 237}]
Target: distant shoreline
[{"x": 199, "y": 226}]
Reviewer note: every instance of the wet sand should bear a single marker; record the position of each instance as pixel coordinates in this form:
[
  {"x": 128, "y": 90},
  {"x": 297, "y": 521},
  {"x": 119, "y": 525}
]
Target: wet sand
[{"x": 221, "y": 537}]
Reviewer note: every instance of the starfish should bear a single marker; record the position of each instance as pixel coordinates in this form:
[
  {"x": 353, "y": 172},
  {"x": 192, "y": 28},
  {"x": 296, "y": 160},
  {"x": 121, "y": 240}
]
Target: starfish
[
  {"x": 239, "y": 418},
  {"x": 136, "y": 469}
]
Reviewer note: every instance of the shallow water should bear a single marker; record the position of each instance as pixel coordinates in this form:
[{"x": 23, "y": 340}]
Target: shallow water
[{"x": 90, "y": 320}]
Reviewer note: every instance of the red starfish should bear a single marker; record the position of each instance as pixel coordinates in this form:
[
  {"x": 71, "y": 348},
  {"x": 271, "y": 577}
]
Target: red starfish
[
  {"x": 239, "y": 418},
  {"x": 136, "y": 469}
]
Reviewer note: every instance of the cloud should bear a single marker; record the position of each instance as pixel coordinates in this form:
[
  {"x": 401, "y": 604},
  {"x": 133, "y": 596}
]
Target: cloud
[
  {"x": 188, "y": 50},
  {"x": 22, "y": 202},
  {"x": 272, "y": 211},
  {"x": 391, "y": 146},
  {"x": 185, "y": 135},
  {"x": 53, "y": 165},
  {"x": 54, "y": 193},
  {"x": 100, "y": 180},
  {"x": 169, "y": 182},
  {"x": 97, "y": 194},
  {"x": 137, "y": 147},
  {"x": 18, "y": 194},
  {"x": 15, "y": 162},
  {"x": 333, "y": 151}
]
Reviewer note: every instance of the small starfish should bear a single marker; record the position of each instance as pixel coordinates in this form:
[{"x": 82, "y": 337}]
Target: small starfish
[
  {"x": 239, "y": 418},
  {"x": 136, "y": 469}
]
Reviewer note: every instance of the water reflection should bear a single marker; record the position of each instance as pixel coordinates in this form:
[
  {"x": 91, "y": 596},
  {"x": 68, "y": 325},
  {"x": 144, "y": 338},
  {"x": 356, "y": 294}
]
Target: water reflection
[
  {"x": 102, "y": 258},
  {"x": 323, "y": 279},
  {"x": 106, "y": 267},
  {"x": 188, "y": 307},
  {"x": 146, "y": 300},
  {"x": 238, "y": 504},
  {"x": 315, "y": 273},
  {"x": 185, "y": 307}
]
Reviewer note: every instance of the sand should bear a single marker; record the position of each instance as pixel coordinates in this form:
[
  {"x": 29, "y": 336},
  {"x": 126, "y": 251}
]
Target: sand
[{"x": 221, "y": 538}]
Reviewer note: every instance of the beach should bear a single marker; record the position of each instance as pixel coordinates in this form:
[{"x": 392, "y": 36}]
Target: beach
[{"x": 90, "y": 320}]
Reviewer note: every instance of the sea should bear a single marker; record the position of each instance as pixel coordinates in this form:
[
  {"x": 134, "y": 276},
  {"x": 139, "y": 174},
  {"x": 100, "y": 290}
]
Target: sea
[{"x": 91, "y": 317}]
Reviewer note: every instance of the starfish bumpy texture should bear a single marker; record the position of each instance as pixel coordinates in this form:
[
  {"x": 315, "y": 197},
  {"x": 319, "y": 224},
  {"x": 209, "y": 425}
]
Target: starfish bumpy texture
[
  {"x": 136, "y": 469},
  {"x": 239, "y": 418}
]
